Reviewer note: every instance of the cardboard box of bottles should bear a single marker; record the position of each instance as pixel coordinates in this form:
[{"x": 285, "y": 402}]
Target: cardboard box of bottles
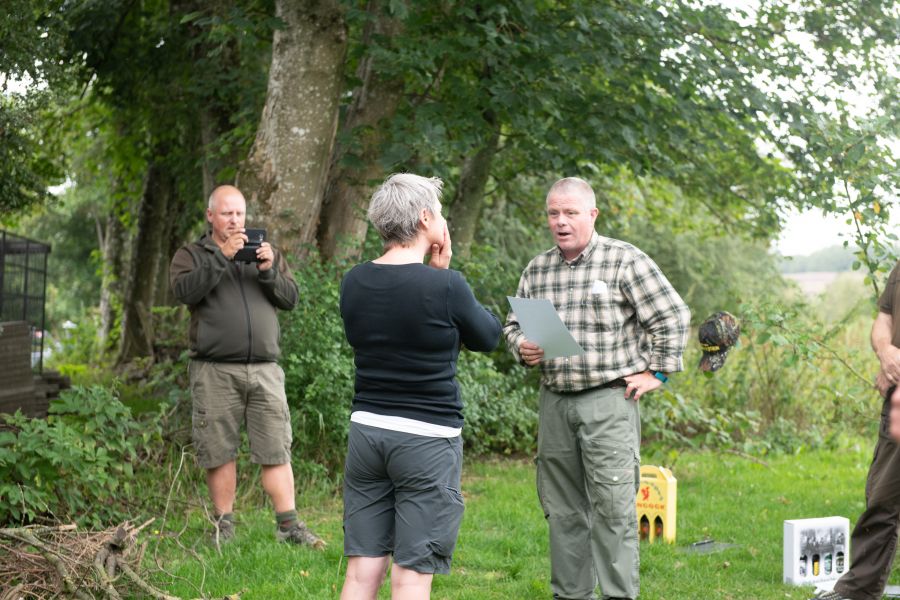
[
  {"x": 656, "y": 504},
  {"x": 816, "y": 549}
]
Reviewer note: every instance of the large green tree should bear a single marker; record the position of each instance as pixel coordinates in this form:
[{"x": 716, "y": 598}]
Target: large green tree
[
  {"x": 356, "y": 163},
  {"x": 743, "y": 112}
]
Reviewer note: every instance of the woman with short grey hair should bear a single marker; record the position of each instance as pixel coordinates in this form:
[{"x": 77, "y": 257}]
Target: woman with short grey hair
[
  {"x": 406, "y": 322},
  {"x": 396, "y": 206}
]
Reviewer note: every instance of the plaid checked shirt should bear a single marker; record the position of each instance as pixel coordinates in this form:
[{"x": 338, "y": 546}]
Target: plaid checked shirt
[{"x": 618, "y": 306}]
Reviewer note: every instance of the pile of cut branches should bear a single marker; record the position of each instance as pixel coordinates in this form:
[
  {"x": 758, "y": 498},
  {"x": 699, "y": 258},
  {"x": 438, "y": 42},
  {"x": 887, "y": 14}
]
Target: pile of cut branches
[{"x": 60, "y": 561}]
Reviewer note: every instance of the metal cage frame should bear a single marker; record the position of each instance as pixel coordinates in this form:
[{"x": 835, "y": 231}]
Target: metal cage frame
[{"x": 23, "y": 288}]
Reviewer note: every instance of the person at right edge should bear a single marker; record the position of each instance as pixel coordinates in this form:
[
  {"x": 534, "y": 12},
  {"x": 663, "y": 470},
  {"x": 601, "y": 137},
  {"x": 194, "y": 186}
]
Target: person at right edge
[
  {"x": 633, "y": 327},
  {"x": 873, "y": 542}
]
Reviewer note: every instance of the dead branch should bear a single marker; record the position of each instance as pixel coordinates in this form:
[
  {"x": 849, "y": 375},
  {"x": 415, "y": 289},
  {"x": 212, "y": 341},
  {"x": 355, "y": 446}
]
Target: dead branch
[
  {"x": 105, "y": 568},
  {"x": 52, "y": 561},
  {"x": 12, "y": 593},
  {"x": 146, "y": 587}
]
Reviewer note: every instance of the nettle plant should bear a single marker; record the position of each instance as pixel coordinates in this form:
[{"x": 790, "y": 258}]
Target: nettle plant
[{"x": 76, "y": 464}]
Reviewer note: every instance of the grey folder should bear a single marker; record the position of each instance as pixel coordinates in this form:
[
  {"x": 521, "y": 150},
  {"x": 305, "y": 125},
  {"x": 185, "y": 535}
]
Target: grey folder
[{"x": 541, "y": 324}]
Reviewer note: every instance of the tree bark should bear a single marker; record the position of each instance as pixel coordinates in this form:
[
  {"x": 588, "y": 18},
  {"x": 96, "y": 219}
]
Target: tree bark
[
  {"x": 284, "y": 177},
  {"x": 111, "y": 279},
  {"x": 343, "y": 224},
  {"x": 209, "y": 133},
  {"x": 468, "y": 199},
  {"x": 137, "y": 331},
  {"x": 181, "y": 214},
  {"x": 212, "y": 108},
  {"x": 214, "y": 113}
]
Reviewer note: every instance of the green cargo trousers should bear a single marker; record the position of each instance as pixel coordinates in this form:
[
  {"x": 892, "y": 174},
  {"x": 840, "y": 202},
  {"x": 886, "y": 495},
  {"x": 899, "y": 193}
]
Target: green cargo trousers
[{"x": 588, "y": 473}]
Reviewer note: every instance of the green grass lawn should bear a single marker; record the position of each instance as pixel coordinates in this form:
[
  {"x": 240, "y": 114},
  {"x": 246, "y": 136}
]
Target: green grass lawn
[{"x": 502, "y": 549}]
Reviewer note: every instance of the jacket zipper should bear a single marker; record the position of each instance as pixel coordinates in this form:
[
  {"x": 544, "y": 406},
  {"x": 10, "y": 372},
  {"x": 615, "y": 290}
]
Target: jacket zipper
[{"x": 246, "y": 311}]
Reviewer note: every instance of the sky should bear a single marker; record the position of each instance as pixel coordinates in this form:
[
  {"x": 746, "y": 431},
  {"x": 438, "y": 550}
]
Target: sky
[
  {"x": 804, "y": 233},
  {"x": 811, "y": 230}
]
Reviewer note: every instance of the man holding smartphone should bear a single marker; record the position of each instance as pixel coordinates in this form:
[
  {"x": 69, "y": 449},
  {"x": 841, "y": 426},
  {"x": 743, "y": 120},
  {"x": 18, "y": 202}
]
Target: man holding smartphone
[{"x": 234, "y": 374}]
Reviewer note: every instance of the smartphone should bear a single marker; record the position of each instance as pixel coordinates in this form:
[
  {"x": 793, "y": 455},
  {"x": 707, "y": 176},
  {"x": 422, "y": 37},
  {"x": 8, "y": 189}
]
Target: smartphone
[{"x": 255, "y": 237}]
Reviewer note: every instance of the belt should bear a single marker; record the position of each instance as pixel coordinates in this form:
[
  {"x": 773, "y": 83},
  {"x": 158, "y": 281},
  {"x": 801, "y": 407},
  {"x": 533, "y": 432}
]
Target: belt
[{"x": 615, "y": 383}]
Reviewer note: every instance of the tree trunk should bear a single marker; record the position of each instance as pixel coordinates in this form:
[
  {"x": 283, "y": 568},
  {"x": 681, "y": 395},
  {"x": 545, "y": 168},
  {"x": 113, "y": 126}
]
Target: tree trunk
[
  {"x": 468, "y": 199},
  {"x": 211, "y": 108},
  {"x": 284, "y": 176},
  {"x": 137, "y": 330},
  {"x": 181, "y": 214},
  {"x": 343, "y": 224},
  {"x": 111, "y": 279},
  {"x": 214, "y": 115},
  {"x": 209, "y": 133}
]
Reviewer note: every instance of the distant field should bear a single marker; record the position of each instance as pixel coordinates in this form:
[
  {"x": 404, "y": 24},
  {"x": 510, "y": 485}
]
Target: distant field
[{"x": 813, "y": 283}]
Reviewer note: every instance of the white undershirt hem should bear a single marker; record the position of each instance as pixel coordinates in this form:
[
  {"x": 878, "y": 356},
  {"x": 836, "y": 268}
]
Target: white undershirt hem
[{"x": 405, "y": 425}]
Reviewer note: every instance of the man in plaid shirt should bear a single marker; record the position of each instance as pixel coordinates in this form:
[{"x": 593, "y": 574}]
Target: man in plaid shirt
[{"x": 633, "y": 326}]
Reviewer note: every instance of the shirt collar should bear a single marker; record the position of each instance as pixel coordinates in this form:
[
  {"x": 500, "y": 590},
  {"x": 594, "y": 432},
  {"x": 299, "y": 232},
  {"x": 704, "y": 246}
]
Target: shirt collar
[
  {"x": 585, "y": 254},
  {"x": 207, "y": 241}
]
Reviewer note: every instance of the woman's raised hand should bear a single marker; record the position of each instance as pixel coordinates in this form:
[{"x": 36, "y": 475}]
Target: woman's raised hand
[{"x": 441, "y": 253}]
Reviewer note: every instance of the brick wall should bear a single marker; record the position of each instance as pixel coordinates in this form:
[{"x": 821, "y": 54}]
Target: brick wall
[{"x": 17, "y": 388}]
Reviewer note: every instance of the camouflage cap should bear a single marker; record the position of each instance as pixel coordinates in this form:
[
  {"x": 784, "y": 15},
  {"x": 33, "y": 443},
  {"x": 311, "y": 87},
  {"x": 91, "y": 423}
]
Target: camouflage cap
[{"x": 718, "y": 333}]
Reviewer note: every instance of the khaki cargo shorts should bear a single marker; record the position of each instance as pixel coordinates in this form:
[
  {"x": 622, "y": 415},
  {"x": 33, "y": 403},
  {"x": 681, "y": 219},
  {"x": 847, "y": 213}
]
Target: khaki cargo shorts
[{"x": 223, "y": 395}]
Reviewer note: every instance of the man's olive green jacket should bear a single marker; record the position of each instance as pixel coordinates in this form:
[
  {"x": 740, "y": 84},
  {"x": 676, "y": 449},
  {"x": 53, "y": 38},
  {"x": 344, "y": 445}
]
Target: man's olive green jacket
[{"x": 232, "y": 304}]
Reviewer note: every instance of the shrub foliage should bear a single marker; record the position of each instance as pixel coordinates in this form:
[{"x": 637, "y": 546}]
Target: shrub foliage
[
  {"x": 78, "y": 464},
  {"x": 793, "y": 376}
]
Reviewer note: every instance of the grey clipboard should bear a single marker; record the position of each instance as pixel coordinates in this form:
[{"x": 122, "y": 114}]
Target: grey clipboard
[{"x": 541, "y": 324}]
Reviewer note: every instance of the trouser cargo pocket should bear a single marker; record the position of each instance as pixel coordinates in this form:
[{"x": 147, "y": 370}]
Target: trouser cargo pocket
[{"x": 612, "y": 480}]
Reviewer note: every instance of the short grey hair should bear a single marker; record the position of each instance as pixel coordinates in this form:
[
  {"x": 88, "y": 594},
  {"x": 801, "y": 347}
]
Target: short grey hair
[
  {"x": 574, "y": 185},
  {"x": 396, "y": 205}
]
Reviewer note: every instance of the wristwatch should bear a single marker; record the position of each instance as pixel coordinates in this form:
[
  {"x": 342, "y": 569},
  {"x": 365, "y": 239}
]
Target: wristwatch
[{"x": 660, "y": 375}]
